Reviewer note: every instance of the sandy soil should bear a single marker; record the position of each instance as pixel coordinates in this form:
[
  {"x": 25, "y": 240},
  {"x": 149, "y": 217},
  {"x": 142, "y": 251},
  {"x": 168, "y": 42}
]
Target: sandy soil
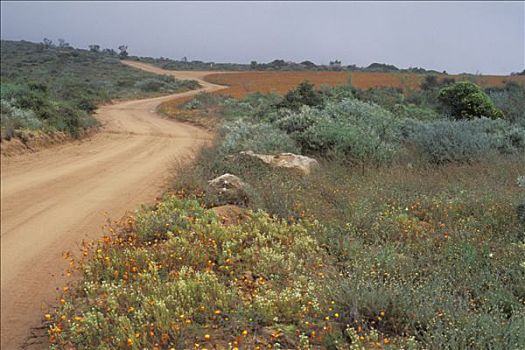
[{"x": 53, "y": 199}]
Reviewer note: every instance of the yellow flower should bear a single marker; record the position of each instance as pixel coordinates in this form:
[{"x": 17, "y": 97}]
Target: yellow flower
[
  {"x": 207, "y": 336},
  {"x": 130, "y": 342},
  {"x": 245, "y": 332}
]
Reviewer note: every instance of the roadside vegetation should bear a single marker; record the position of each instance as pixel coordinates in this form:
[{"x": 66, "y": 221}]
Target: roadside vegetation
[
  {"x": 408, "y": 235},
  {"x": 49, "y": 88}
]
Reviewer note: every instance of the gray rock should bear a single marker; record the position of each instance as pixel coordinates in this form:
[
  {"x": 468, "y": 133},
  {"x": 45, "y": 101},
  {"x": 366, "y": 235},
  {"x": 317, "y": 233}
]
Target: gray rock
[
  {"x": 228, "y": 189},
  {"x": 298, "y": 163}
]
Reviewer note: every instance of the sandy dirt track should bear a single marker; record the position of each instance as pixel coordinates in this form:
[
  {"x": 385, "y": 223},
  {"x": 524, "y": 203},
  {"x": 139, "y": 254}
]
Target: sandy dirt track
[{"x": 52, "y": 199}]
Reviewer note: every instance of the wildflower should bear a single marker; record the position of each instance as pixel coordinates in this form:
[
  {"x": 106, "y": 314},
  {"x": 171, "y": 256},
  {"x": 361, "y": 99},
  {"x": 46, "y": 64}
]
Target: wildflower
[
  {"x": 245, "y": 332},
  {"x": 207, "y": 336},
  {"x": 217, "y": 312},
  {"x": 47, "y": 317},
  {"x": 130, "y": 342}
]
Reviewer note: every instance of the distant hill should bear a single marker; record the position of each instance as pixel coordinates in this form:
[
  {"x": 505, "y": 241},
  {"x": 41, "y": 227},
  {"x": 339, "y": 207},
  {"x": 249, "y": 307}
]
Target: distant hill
[{"x": 275, "y": 65}]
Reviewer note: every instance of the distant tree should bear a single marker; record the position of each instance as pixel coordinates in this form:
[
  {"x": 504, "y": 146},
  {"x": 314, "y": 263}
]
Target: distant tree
[
  {"x": 62, "y": 44},
  {"x": 253, "y": 65},
  {"x": 335, "y": 65},
  {"x": 382, "y": 67},
  {"x": 123, "y": 51},
  {"x": 308, "y": 64},
  {"x": 184, "y": 59},
  {"x": 518, "y": 73},
  {"x": 277, "y": 64},
  {"x": 110, "y": 52},
  {"x": 94, "y": 48},
  {"x": 466, "y": 100},
  {"x": 47, "y": 43}
]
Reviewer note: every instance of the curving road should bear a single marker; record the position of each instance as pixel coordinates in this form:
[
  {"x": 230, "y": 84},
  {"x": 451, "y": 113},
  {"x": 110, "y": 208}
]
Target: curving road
[{"x": 54, "y": 198}]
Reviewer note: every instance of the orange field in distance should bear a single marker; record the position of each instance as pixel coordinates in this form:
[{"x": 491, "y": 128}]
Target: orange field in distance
[{"x": 243, "y": 83}]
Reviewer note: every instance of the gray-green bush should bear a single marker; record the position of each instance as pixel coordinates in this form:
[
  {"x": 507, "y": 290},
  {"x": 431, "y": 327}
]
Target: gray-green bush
[
  {"x": 352, "y": 129},
  {"x": 463, "y": 140},
  {"x": 260, "y": 138}
]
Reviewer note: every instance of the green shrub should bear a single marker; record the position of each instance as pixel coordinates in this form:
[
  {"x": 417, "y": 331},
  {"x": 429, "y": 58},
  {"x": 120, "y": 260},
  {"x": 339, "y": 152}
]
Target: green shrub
[
  {"x": 260, "y": 138},
  {"x": 386, "y": 97},
  {"x": 17, "y": 118},
  {"x": 511, "y": 100},
  {"x": 355, "y": 130},
  {"x": 411, "y": 111},
  {"x": 465, "y": 100},
  {"x": 303, "y": 94},
  {"x": 464, "y": 140}
]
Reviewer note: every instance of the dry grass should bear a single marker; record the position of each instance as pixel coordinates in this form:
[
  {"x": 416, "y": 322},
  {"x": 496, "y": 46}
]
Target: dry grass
[{"x": 244, "y": 83}]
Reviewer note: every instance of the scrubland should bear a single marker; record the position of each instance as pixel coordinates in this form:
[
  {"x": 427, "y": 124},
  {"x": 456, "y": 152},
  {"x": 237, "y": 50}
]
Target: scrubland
[{"x": 409, "y": 234}]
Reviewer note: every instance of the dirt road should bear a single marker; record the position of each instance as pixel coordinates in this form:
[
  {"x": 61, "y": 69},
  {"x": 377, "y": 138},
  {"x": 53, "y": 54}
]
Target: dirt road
[{"x": 53, "y": 199}]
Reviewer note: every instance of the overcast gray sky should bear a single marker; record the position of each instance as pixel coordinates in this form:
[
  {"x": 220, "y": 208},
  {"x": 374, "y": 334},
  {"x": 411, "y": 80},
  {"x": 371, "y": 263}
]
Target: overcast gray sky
[{"x": 485, "y": 37}]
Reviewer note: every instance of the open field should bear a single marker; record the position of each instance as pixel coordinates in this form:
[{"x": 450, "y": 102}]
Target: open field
[{"x": 243, "y": 83}]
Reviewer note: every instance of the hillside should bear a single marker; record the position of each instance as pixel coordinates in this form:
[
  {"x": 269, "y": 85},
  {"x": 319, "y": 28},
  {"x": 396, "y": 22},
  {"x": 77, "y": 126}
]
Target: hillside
[{"x": 50, "y": 88}]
